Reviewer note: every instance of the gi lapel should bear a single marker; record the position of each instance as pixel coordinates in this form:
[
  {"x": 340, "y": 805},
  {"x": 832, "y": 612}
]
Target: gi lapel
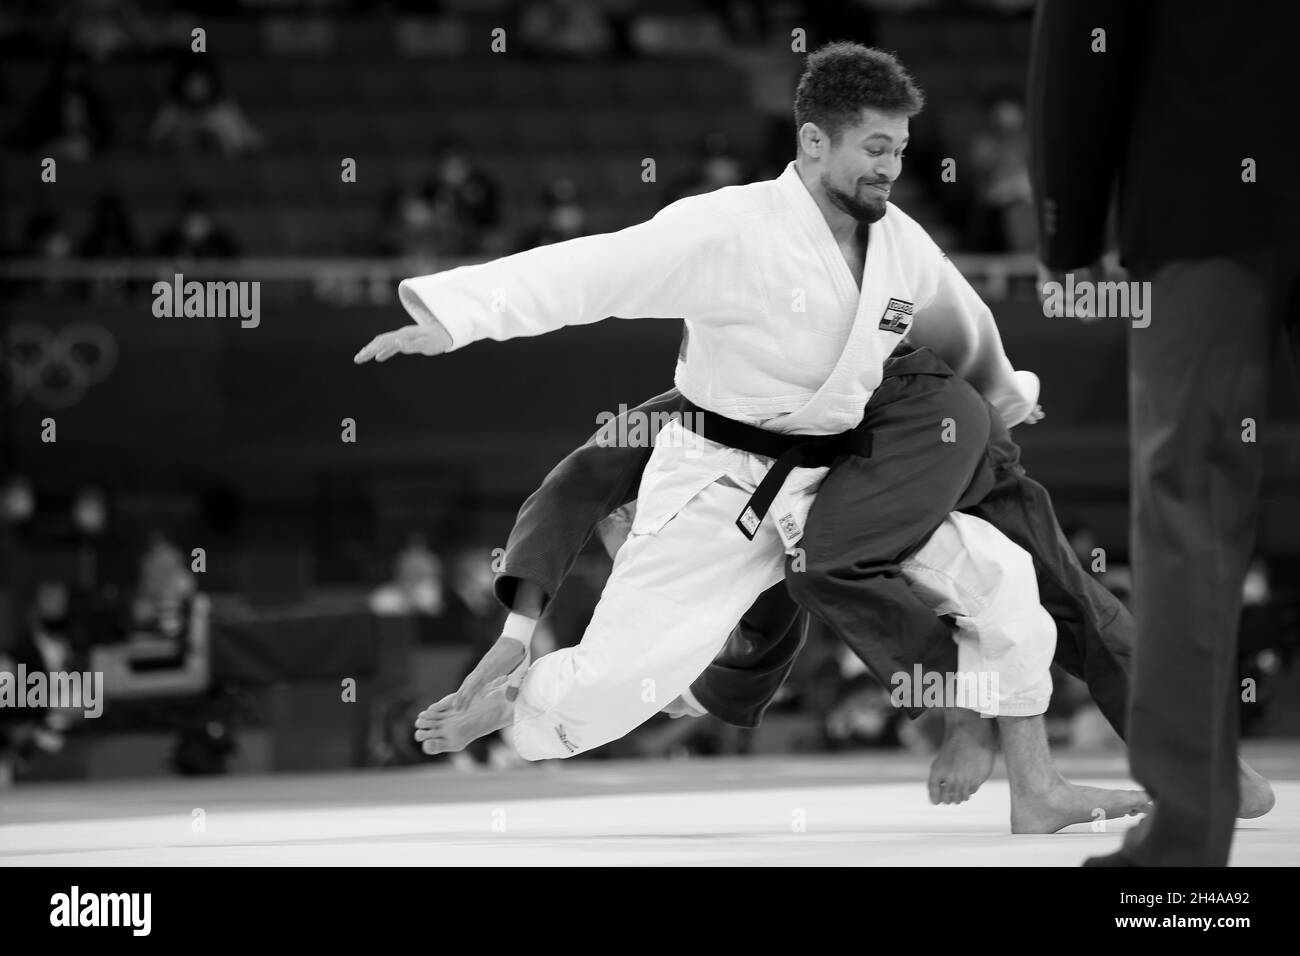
[{"x": 862, "y": 360}]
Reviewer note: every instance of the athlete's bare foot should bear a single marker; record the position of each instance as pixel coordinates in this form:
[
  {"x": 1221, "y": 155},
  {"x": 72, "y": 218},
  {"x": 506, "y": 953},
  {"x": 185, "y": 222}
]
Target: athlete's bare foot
[
  {"x": 1063, "y": 804},
  {"x": 437, "y": 707},
  {"x": 448, "y": 730},
  {"x": 1256, "y": 793},
  {"x": 501, "y": 660},
  {"x": 965, "y": 758}
]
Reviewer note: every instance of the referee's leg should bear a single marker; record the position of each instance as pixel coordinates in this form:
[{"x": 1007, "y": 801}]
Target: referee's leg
[{"x": 1197, "y": 372}]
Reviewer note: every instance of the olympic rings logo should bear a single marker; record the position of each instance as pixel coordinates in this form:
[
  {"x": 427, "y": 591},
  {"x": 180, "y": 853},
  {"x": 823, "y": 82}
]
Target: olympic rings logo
[{"x": 56, "y": 368}]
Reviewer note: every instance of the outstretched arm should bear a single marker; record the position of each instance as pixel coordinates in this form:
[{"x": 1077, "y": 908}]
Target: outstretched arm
[{"x": 663, "y": 268}]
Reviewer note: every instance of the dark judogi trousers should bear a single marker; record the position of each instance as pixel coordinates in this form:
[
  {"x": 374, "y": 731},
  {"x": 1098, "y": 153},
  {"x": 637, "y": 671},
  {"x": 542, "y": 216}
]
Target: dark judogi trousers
[
  {"x": 1196, "y": 373},
  {"x": 870, "y": 514}
]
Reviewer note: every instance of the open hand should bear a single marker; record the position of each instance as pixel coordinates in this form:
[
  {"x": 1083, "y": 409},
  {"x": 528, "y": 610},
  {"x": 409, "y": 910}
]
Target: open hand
[{"x": 430, "y": 339}]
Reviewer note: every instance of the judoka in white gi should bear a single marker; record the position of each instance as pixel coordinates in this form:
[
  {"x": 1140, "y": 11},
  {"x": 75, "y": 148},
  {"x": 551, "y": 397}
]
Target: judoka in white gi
[{"x": 794, "y": 291}]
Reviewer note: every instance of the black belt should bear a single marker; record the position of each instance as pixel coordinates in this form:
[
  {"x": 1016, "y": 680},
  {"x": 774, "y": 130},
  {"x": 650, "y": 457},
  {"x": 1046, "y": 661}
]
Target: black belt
[{"x": 789, "y": 452}]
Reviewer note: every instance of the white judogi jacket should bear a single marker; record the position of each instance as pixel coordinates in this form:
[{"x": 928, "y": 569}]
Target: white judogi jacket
[{"x": 780, "y": 336}]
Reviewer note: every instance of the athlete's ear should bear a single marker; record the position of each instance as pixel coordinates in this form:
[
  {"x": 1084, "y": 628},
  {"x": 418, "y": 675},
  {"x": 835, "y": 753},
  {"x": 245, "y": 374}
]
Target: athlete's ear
[{"x": 812, "y": 141}]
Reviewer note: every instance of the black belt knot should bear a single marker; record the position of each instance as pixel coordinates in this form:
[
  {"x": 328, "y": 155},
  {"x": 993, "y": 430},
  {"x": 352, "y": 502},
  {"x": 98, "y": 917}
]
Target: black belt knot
[{"x": 787, "y": 451}]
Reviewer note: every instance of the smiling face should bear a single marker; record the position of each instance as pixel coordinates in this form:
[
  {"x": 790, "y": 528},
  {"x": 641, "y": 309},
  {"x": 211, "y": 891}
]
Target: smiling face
[
  {"x": 858, "y": 168},
  {"x": 851, "y": 112}
]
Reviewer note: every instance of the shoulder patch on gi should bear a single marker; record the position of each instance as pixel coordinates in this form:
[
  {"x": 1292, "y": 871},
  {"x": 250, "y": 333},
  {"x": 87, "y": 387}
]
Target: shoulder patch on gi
[{"x": 897, "y": 317}]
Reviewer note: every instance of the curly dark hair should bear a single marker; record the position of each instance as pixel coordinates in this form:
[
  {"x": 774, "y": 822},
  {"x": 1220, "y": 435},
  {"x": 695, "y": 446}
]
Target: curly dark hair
[{"x": 843, "y": 78}]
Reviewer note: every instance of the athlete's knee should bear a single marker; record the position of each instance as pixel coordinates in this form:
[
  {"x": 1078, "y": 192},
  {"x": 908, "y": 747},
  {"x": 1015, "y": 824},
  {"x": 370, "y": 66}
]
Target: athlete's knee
[
  {"x": 804, "y": 582},
  {"x": 1013, "y": 586},
  {"x": 1014, "y": 621},
  {"x": 965, "y": 415},
  {"x": 813, "y": 581}
]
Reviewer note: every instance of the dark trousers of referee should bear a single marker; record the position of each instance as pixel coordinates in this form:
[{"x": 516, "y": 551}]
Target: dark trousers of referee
[
  {"x": 1197, "y": 372},
  {"x": 870, "y": 514}
]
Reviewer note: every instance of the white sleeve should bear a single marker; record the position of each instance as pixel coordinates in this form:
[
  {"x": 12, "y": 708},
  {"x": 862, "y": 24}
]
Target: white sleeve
[
  {"x": 956, "y": 325},
  {"x": 663, "y": 268}
]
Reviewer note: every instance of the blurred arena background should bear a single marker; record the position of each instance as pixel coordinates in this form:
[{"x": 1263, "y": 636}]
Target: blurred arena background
[{"x": 324, "y": 559}]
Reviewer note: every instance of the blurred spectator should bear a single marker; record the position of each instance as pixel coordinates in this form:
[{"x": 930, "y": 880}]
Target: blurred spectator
[
  {"x": 199, "y": 115},
  {"x": 417, "y": 586},
  {"x": 1002, "y": 218},
  {"x": 45, "y": 236},
  {"x": 563, "y": 218},
  {"x": 50, "y": 625},
  {"x": 472, "y": 606},
  {"x": 746, "y": 21},
  {"x": 166, "y": 651},
  {"x": 102, "y": 29},
  {"x": 853, "y": 707},
  {"x": 45, "y": 645},
  {"x": 578, "y": 28},
  {"x": 166, "y": 621},
  {"x": 412, "y": 225},
  {"x": 717, "y": 166},
  {"x": 195, "y": 234},
  {"x": 67, "y": 119},
  {"x": 465, "y": 194},
  {"x": 160, "y": 606},
  {"x": 111, "y": 234},
  {"x": 862, "y": 716},
  {"x": 471, "y": 583},
  {"x": 1257, "y": 588}
]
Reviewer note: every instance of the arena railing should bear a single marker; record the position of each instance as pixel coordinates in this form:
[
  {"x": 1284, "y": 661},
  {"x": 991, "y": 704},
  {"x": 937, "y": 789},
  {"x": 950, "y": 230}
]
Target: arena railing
[{"x": 359, "y": 280}]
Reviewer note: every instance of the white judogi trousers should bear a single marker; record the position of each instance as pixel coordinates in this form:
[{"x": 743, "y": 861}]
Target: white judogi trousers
[{"x": 686, "y": 574}]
